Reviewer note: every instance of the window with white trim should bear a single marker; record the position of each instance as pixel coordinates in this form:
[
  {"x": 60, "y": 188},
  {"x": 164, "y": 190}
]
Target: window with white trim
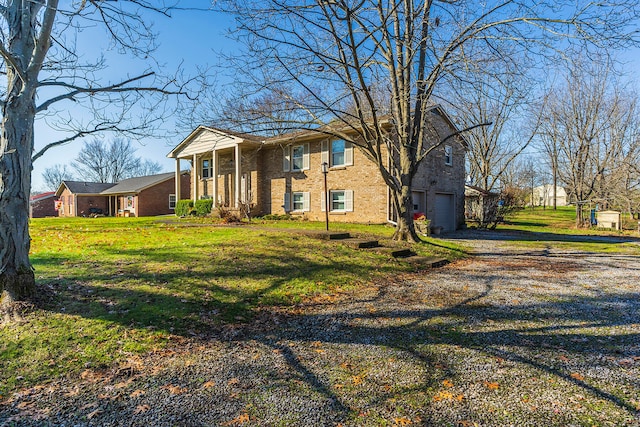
[
  {"x": 340, "y": 201},
  {"x": 448, "y": 155},
  {"x": 337, "y": 201},
  {"x": 300, "y": 201},
  {"x": 297, "y": 158},
  {"x": 172, "y": 201},
  {"x": 206, "y": 168},
  {"x": 337, "y": 152}
]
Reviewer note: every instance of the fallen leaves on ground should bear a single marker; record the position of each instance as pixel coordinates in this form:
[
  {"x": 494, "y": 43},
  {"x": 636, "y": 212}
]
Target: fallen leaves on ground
[
  {"x": 447, "y": 395},
  {"x": 137, "y": 393},
  {"x": 239, "y": 420},
  {"x": 491, "y": 385},
  {"x": 174, "y": 389},
  {"x": 140, "y": 409},
  {"x": 577, "y": 376}
]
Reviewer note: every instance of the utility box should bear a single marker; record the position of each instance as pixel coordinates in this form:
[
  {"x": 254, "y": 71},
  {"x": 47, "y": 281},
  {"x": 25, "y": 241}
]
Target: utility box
[{"x": 609, "y": 219}]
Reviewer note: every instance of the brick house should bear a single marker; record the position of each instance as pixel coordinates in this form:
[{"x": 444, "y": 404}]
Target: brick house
[
  {"x": 43, "y": 205},
  {"x": 283, "y": 174},
  {"x": 142, "y": 196},
  {"x": 80, "y": 198}
]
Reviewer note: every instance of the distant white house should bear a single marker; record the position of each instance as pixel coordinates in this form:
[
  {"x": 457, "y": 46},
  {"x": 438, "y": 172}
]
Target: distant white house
[{"x": 543, "y": 196}]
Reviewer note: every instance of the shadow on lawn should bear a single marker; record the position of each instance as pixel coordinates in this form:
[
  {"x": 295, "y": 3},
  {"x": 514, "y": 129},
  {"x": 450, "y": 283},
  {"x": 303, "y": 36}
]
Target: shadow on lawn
[{"x": 511, "y": 337}]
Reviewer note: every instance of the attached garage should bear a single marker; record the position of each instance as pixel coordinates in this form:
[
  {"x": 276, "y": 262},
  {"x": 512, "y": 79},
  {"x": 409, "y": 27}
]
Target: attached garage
[{"x": 445, "y": 212}]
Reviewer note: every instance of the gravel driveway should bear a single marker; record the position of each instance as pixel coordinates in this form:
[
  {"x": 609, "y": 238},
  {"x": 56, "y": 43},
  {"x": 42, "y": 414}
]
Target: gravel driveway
[{"x": 508, "y": 337}]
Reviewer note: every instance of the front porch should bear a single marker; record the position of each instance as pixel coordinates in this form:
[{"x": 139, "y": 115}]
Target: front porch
[{"x": 223, "y": 166}]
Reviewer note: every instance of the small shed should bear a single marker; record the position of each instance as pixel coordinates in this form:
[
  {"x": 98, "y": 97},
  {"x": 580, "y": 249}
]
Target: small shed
[
  {"x": 608, "y": 219},
  {"x": 481, "y": 206}
]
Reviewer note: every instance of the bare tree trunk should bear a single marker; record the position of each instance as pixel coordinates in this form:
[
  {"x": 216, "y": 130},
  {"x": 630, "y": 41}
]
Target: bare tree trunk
[
  {"x": 405, "y": 229},
  {"x": 17, "y": 281}
]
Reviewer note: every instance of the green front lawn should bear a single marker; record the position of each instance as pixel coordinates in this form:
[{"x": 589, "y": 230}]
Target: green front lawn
[{"x": 112, "y": 287}]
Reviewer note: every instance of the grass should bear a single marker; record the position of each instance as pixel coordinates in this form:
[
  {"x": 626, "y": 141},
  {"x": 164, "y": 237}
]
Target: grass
[
  {"x": 112, "y": 287},
  {"x": 560, "y": 232}
]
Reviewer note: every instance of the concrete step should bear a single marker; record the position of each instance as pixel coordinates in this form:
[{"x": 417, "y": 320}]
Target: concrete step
[
  {"x": 395, "y": 252},
  {"x": 360, "y": 243},
  {"x": 327, "y": 235},
  {"x": 426, "y": 261}
]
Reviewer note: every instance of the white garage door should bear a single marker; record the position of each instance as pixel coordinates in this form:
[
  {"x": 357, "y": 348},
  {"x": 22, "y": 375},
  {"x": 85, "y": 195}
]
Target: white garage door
[{"x": 445, "y": 212}]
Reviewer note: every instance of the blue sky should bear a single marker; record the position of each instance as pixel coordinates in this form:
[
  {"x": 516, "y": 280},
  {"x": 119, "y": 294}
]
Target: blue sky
[{"x": 190, "y": 38}]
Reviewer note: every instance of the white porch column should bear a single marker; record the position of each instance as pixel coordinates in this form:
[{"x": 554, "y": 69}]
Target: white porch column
[
  {"x": 177, "y": 183},
  {"x": 238, "y": 160},
  {"x": 194, "y": 178},
  {"x": 214, "y": 175}
]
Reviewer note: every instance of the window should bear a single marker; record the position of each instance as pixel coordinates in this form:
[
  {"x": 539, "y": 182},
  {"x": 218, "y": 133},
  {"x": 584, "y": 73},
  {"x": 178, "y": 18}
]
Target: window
[
  {"x": 297, "y": 158},
  {"x": 206, "y": 169},
  {"x": 337, "y": 153},
  {"x": 296, "y": 201},
  {"x": 448, "y": 155},
  {"x": 172, "y": 201},
  {"x": 300, "y": 201},
  {"x": 339, "y": 201}
]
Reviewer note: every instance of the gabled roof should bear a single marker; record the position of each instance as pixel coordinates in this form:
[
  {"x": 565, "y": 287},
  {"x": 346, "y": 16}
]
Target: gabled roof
[
  {"x": 41, "y": 196},
  {"x": 204, "y": 138},
  {"x": 136, "y": 185},
  {"x": 236, "y": 137},
  {"x": 83, "y": 187}
]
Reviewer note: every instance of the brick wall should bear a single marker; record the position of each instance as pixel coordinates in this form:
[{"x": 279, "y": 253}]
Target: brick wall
[
  {"x": 43, "y": 207},
  {"x": 81, "y": 204},
  {"x": 363, "y": 178},
  {"x": 270, "y": 182},
  {"x": 155, "y": 200}
]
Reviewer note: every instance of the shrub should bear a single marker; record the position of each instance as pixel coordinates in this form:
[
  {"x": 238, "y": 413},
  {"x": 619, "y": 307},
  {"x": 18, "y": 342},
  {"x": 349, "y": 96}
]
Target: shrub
[
  {"x": 203, "y": 207},
  {"x": 227, "y": 215},
  {"x": 183, "y": 207}
]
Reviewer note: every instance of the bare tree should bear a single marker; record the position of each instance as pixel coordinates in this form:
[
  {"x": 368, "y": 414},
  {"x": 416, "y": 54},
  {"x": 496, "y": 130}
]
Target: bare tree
[
  {"x": 501, "y": 97},
  {"x": 327, "y": 57},
  {"x": 43, "y": 68},
  {"x": 102, "y": 161},
  {"x": 55, "y": 174},
  {"x": 590, "y": 133}
]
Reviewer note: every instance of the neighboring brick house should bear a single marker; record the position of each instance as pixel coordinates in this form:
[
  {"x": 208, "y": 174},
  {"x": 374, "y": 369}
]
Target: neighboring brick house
[
  {"x": 80, "y": 198},
  {"x": 142, "y": 196},
  {"x": 146, "y": 195},
  {"x": 43, "y": 205},
  {"x": 283, "y": 174}
]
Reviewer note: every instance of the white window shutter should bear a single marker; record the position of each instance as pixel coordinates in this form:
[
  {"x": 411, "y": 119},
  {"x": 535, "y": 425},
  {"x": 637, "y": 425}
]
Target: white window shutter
[
  {"x": 348, "y": 154},
  {"x": 287, "y": 202},
  {"x": 306, "y": 201},
  {"x": 305, "y": 158},
  {"x": 348, "y": 200},
  {"x": 286, "y": 161},
  {"x": 322, "y": 201},
  {"x": 324, "y": 153}
]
